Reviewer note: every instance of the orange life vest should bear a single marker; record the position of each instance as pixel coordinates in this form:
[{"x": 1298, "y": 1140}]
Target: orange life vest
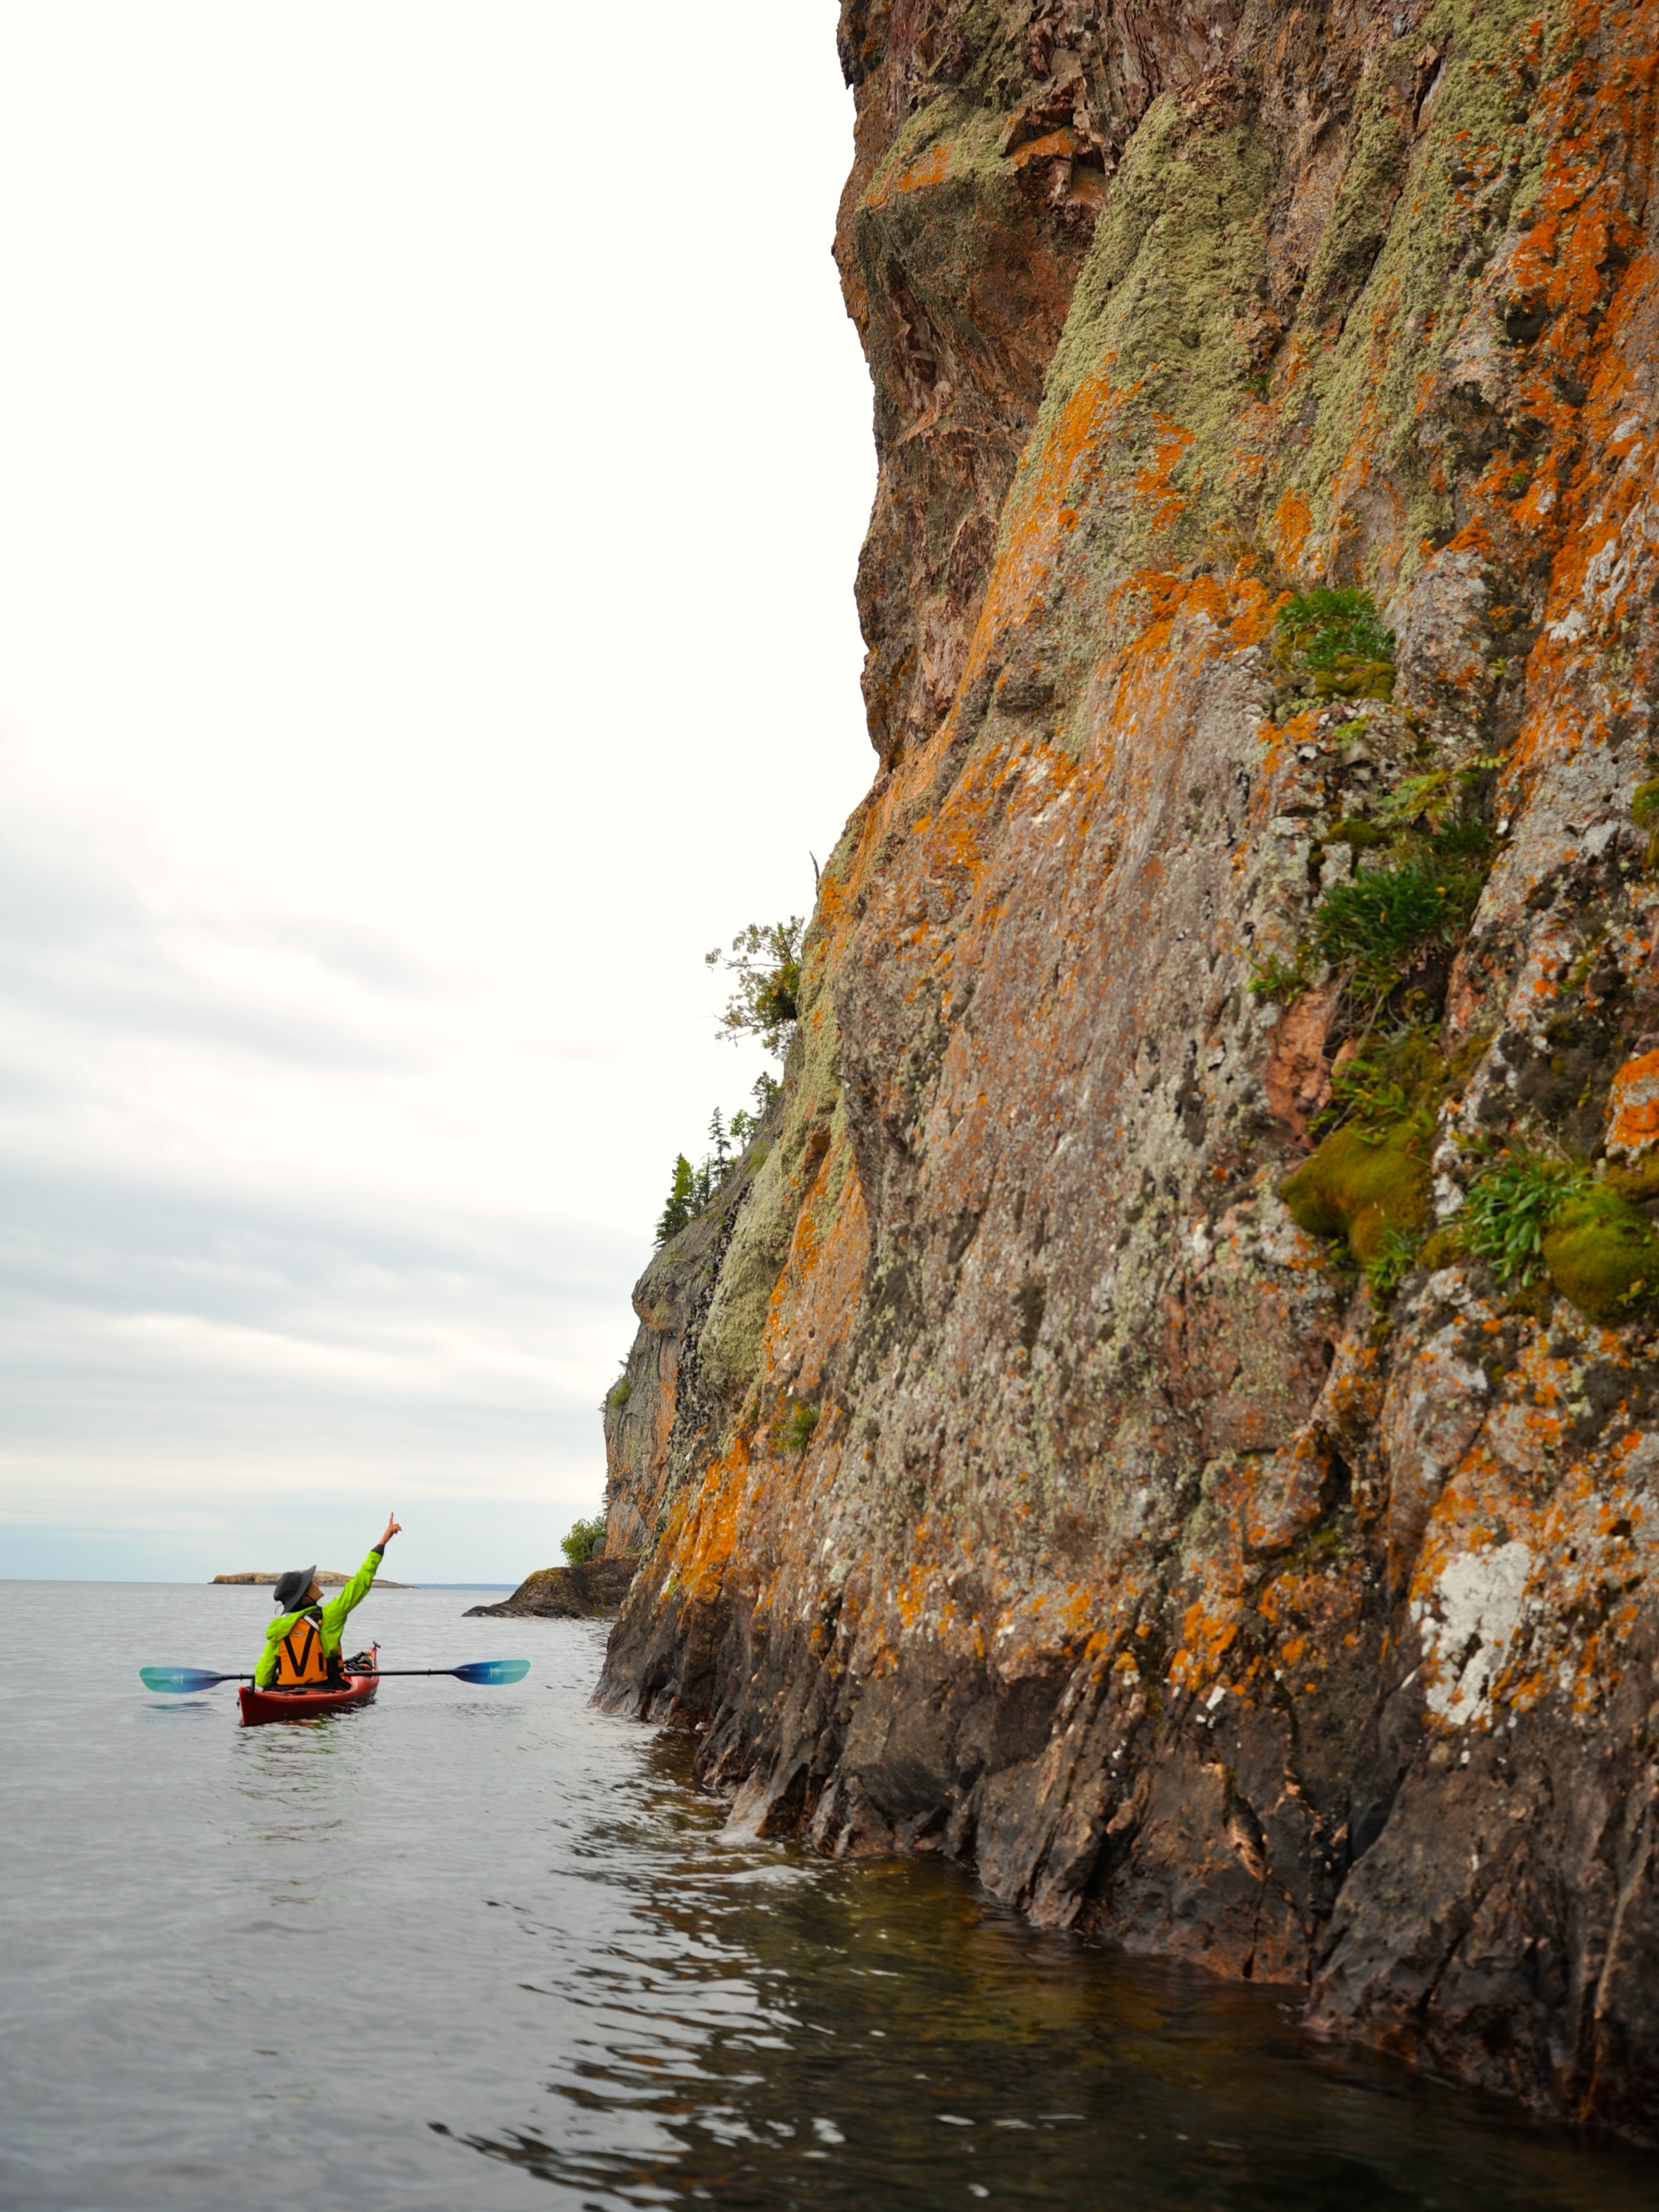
[{"x": 302, "y": 1662}]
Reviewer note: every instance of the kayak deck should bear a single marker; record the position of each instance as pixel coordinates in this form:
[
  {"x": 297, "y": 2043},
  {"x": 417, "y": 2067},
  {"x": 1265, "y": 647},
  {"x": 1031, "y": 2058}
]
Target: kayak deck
[{"x": 260, "y": 1706}]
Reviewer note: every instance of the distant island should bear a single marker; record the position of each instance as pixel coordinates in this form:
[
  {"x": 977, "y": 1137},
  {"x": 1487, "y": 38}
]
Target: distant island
[{"x": 326, "y": 1576}]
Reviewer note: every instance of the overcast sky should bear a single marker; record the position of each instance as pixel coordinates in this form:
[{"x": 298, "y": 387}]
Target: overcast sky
[{"x": 433, "y": 458}]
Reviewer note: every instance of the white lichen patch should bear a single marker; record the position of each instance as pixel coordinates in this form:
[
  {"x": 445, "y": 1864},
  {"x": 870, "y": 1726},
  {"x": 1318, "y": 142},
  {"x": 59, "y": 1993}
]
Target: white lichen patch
[{"x": 1466, "y": 1629}]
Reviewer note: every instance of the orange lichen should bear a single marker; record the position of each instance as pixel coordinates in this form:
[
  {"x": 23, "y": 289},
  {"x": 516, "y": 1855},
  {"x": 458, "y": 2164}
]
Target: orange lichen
[{"x": 1634, "y": 1107}]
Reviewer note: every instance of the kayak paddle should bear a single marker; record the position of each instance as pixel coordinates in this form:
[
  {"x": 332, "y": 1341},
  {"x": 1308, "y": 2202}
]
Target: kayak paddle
[{"x": 182, "y": 1679}]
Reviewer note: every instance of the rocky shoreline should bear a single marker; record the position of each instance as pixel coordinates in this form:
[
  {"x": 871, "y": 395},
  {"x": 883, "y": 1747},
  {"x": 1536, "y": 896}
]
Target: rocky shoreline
[{"x": 593, "y": 1591}]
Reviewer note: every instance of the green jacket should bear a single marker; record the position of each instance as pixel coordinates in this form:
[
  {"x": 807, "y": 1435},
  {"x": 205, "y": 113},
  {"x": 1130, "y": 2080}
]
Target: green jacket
[{"x": 331, "y": 1617}]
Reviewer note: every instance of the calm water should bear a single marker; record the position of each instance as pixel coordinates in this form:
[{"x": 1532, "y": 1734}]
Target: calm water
[{"x": 487, "y": 1948}]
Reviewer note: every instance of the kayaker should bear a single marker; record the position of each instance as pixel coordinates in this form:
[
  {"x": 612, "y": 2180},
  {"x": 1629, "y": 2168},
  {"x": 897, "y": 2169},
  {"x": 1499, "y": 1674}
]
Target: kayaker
[{"x": 302, "y": 1644}]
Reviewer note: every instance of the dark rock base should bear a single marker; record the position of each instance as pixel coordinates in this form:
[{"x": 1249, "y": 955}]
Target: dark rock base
[{"x": 593, "y": 1591}]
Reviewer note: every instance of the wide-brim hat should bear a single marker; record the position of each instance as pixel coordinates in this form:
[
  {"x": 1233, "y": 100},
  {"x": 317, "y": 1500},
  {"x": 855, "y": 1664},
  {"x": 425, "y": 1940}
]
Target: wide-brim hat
[{"x": 292, "y": 1587}]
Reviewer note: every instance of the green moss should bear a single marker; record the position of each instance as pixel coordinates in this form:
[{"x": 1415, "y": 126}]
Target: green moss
[
  {"x": 1443, "y": 1248},
  {"x": 1604, "y": 1256},
  {"x": 1357, "y": 834},
  {"x": 1362, "y": 1186},
  {"x": 1638, "y": 1182},
  {"x": 1401, "y": 1075},
  {"x": 1644, "y": 804}
]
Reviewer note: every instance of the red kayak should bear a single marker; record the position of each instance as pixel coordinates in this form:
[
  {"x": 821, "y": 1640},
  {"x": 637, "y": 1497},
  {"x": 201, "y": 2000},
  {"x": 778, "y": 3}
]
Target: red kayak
[{"x": 261, "y": 1705}]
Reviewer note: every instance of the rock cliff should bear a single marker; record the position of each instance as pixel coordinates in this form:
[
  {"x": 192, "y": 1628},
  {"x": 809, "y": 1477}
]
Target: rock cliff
[{"x": 1167, "y": 1412}]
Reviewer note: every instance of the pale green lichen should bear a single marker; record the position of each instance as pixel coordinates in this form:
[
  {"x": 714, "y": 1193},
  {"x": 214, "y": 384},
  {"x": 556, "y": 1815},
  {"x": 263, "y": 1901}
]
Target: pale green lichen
[
  {"x": 1396, "y": 332},
  {"x": 1179, "y": 257}
]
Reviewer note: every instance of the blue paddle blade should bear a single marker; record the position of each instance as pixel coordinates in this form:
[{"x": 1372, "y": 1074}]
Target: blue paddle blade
[
  {"x": 494, "y": 1670},
  {"x": 179, "y": 1679}
]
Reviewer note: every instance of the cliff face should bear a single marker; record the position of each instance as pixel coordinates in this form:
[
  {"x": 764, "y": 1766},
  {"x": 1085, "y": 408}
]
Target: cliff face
[{"x": 1032, "y": 1465}]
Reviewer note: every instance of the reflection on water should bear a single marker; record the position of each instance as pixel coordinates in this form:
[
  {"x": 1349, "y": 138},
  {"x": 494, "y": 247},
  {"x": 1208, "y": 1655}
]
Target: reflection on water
[{"x": 489, "y": 1948}]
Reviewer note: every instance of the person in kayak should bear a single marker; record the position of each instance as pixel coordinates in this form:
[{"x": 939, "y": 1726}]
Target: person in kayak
[{"x": 302, "y": 1644}]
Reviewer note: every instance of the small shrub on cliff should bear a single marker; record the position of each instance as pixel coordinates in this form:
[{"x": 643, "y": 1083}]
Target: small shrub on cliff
[
  {"x": 798, "y": 1427},
  {"x": 746, "y": 1126},
  {"x": 765, "y": 958},
  {"x": 586, "y": 1541},
  {"x": 692, "y": 1188}
]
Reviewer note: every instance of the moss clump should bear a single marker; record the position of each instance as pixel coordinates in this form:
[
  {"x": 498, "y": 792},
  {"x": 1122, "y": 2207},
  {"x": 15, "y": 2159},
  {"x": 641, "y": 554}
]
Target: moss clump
[
  {"x": 1401, "y": 1074},
  {"x": 1357, "y": 834},
  {"x": 1361, "y": 1186},
  {"x": 1644, "y": 804},
  {"x": 1445, "y": 1247},
  {"x": 1533, "y": 1219},
  {"x": 1602, "y": 1254}
]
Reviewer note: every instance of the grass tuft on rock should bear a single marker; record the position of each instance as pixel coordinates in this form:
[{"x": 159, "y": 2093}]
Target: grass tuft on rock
[
  {"x": 1380, "y": 920},
  {"x": 1339, "y": 637}
]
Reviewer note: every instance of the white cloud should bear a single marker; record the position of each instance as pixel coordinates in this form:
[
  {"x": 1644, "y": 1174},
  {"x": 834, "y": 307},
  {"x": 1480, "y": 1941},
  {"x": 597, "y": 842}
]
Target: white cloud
[{"x": 432, "y": 462}]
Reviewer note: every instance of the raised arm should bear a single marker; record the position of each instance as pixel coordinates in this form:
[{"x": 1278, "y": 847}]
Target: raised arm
[{"x": 334, "y": 1612}]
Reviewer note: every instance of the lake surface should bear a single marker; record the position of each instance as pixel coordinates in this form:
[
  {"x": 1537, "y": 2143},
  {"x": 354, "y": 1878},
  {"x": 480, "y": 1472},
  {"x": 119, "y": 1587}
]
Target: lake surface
[{"x": 487, "y": 1948}]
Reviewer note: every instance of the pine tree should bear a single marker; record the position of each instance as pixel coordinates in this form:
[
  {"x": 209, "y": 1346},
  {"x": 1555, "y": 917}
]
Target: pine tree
[{"x": 682, "y": 1207}]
